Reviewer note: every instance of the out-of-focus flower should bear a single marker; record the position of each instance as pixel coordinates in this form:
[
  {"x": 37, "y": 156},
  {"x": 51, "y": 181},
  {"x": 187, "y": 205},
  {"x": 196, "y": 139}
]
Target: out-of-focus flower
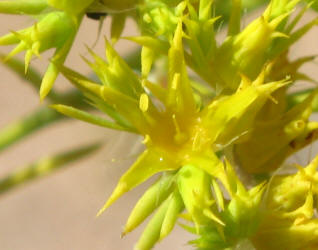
[
  {"x": 263, "y": 153},
  {"x": 242, "y": 52},
  {"x": 288, "y": 221},
  {"x": 56, "y": 30},
  {"x": 56, "y": 27}
]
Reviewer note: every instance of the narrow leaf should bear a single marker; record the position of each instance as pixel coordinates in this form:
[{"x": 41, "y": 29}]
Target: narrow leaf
[
  {"x": 15, "y": 131},
  {"x": 87, "y": 117}
]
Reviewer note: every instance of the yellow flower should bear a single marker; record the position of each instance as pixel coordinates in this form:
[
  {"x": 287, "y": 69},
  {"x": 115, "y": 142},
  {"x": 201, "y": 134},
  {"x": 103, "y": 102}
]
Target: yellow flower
[
  {"x": 180, "y": 137},
  {"x": 263, "y": 153},
  {"x": 288, "y": 221}
]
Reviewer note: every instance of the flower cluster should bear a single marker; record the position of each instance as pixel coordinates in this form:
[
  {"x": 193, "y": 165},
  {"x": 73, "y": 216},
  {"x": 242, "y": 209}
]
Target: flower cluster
[{"x": 234, "y": 114}]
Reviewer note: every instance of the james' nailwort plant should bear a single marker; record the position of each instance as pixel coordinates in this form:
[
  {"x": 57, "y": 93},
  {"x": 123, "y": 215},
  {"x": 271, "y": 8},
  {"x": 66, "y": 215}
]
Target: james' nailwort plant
[{"x": 211, "y": 112}]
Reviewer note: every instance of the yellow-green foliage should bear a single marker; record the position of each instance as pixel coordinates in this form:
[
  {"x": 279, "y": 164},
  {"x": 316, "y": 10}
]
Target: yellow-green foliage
[{"x": 200, "y": 130}]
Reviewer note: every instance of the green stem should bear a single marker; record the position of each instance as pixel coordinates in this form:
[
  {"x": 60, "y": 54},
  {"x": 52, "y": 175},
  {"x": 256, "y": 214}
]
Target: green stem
[
  {"x": 25, "y": 126},
  {"x": 44, "y": 167},
  {"x": 38, "y": 119},
  {"x": 296, "y": 98}
]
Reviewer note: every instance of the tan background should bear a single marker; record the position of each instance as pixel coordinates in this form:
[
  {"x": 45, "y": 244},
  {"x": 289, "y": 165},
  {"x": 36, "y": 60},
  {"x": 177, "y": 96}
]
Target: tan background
[{"x": 58, "y": 212}]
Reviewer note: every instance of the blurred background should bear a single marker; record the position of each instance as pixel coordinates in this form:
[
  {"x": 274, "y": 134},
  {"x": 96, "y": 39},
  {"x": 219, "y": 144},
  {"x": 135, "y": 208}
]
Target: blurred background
[{"x": 58, "y": 212}]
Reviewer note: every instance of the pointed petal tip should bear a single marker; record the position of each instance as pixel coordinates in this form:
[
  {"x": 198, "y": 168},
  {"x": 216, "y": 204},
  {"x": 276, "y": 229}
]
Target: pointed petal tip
[
  {"x": 99, "y": 213},
  {"x": 107, "y": 204},
  {"x": 120, "y": 189}
]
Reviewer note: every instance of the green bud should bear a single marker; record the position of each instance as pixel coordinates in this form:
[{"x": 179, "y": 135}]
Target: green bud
[
  {"x": 245, "y": 53},
  {"x": 54, "y": 30},
  {"x": 195, "y": 188},
  {"x": 162, "y": 222},
  {"x": 151, "y": 199},
  {"x": 243, "y": 215},
  {"x": 158, "y": 18},
  {"x": 152, "y": 232},
  {"x": 175, "y": 208}
]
